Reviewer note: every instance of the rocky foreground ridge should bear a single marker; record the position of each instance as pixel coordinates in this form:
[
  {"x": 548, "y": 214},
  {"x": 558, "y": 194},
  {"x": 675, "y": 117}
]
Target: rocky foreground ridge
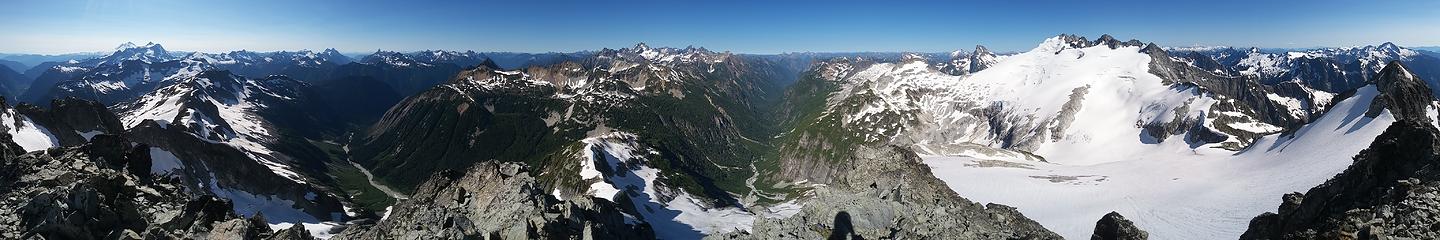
[{"x": 104, "y": 190}]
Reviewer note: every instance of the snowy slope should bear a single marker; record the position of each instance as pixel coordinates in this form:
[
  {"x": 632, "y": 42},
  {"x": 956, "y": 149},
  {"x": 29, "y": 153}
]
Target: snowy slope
[
  {"x": 1113, "y": 137},
  {"x": 616, "y": 164},
  {"x": 279, "y": 212},
  {"x": 30, "y": 136},
  {"x": 1171, "y": 192},
  {"x": 234, "y": 120}
]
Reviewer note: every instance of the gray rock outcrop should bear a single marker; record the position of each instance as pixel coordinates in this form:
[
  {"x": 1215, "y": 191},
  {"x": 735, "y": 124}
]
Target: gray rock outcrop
[
  {"x": 887, "y": 193},
  {"x": 494, "y": 200},
  {"x": 103, "y": 190}
]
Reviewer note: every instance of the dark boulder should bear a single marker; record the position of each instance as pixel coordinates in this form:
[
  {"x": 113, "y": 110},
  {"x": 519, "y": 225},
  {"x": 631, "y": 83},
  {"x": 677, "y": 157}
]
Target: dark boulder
[{"x": 1115, "y": 227}]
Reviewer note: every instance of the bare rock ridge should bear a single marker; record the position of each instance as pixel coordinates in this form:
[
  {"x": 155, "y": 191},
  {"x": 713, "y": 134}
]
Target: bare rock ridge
[
  {"x": 69, "y": 117},
  {"x": 1404, "y": 94},
  {"x": 104, "y": 190},
  {"x": 497, "y": 200}
]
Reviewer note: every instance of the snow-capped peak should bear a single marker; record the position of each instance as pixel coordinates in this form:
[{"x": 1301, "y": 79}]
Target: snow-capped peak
[
  {"x": 150, "y": 52},
  {"x": 1061, "y": 42},
  {"x": 643, "y": 52},
  {"x": 961, "y": 63},
  {"x": 392, "y": 58},
  {"x": 957, "y": 53},
  {"x": 912, "y": 57},
  {"x": 982, "y": 50},
  {"x": 126, "y": 45},
  {"x": 1389, "y": 46}
]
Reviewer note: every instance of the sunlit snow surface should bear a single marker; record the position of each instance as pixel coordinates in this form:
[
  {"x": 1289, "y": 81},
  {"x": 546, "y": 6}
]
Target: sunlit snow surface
[
  {"x": 1055, "y": 99},
  {"x": 625, "y": 172},
  {"x": 1174, "y": 192},
  {"x": 163, "y": 162},
  {"x": 27, "y": 134}
]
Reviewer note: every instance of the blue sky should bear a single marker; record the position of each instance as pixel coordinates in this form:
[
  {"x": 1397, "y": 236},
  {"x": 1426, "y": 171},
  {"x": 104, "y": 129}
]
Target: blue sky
[{"x": 61, "y": 26}]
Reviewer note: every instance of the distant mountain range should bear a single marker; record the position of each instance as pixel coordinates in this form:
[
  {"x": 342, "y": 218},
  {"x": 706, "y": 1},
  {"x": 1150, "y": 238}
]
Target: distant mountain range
[{"x": 684, "y": 143}]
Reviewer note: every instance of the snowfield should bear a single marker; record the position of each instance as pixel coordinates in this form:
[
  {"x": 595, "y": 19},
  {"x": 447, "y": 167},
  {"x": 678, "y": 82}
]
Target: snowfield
[
  {"x": 1174, "y": 192},
  {"x": 1055, "y": 100},
  {"x": 1083, "y": 110}
]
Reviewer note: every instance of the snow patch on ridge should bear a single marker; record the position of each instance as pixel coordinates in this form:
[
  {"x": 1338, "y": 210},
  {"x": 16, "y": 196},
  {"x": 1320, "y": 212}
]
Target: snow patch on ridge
[
  {"x": 163, "y": 162},
  {"x": 27, "y": 134},
  {"x": 618, "y": 163}
]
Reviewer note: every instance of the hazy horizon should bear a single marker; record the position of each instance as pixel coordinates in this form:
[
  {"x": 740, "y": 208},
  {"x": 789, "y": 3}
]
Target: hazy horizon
[
  {"x": 58, "y": 27},
  {"x": 966, "y": 49}
]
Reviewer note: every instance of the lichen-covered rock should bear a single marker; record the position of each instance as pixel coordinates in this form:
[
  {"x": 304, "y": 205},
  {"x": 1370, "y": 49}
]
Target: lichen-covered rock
[{"x": 497, "y": 200}]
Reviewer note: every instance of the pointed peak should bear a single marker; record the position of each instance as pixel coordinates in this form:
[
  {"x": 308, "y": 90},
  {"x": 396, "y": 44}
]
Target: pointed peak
[
  {"x": 981, "y": 49},
  {"x": 957, "y": 53},
  {"x": 488, "y": 63},
  {"x": 1406, "y": 96},
  {"x": 1389, "y": 46},
  {"x": 641, "y": 46},
  {"x": 1153, "y": 48},
  {"x": 155, "y": 46},
  {"x": 1105, "y": 38},
  {"x": 1397, "y": 68}
]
